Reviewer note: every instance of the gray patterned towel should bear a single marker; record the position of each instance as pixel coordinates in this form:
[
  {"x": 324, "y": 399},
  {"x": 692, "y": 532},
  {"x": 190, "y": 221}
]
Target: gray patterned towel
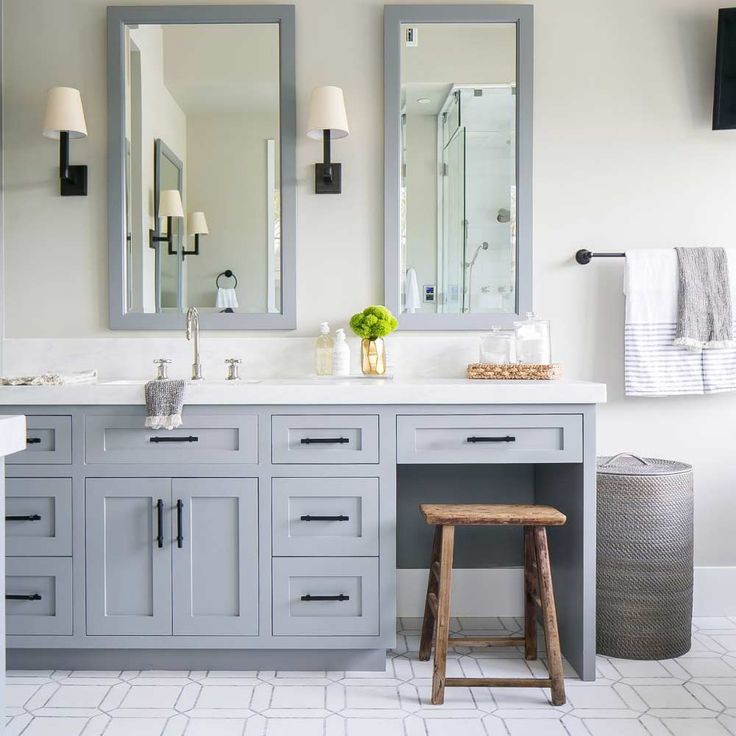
[
  {"x": 164, "y": 403},
  {"x": 704, "y": 318}
]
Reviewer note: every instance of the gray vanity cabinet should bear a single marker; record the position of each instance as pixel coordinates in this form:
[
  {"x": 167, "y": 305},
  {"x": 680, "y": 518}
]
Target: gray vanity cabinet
[
  {"x": 215, "y": 558},
  {"x": 128, "y": 548},
  {"x": 172, "y": 556}
]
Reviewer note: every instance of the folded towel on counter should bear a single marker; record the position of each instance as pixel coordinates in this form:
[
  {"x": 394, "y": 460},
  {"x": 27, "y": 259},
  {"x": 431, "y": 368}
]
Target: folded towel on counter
[
  {"x": 653, "y": 364},
  {"x": 704, "y": 319},
  {"x": 226, "y": 299},
  {"x": 52, "y": 379},
  {"x": 164, "y": 403},
  {"x": 412, "y": 300}
]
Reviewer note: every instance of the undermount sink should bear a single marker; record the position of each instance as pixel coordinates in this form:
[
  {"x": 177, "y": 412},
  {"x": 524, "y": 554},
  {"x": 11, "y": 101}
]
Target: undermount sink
[{"x": 204, "y": 382}]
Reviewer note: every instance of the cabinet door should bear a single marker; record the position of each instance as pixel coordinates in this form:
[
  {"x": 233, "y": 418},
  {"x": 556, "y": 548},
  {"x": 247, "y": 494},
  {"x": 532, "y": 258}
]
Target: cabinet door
[
  {"x": 215, "y": 556},
  {"x": 128, "y": 555}
]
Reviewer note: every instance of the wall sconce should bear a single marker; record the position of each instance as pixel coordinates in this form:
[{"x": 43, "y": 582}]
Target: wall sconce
[
  {"x": 328, "y": 121},
  {"x": 196, "y": 225},
  {"x": 64, "y": 119},
  {"x": 169, "y": 206}
]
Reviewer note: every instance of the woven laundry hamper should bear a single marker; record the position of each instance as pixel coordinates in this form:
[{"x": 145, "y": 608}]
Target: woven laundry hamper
[{"x": 645, "y": 557}]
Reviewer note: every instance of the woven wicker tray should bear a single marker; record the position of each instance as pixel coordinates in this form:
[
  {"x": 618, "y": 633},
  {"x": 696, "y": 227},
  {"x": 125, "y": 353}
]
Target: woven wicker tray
[{"x": 513, "y": 371}]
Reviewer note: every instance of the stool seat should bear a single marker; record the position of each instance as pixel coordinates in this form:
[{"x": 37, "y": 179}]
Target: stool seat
[{"x": 479, "y": 514}]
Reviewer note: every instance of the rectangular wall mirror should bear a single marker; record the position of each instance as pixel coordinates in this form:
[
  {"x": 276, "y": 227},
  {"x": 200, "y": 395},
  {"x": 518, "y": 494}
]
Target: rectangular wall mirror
[
  {"x": 201, "y": 104},
  {"x": 458, "y": 173}
]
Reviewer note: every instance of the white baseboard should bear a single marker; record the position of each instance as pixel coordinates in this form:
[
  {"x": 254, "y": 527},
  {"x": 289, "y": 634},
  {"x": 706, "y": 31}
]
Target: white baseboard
[{"x": 498, "y": 592}]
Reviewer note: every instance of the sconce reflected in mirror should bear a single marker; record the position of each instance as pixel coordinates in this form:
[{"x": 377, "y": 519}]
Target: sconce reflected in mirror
[
  {"x": 196, "y": 226},
  {"x": 169, "y": 206},
  {"x": 327, "y": 121},
  {"x": 64, "y": 119}
]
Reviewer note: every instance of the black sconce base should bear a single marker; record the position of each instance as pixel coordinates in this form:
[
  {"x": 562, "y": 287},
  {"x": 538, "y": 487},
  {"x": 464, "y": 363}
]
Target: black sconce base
[
  {"x": 328, "y": 178},
  {"x": 75, "y": 183}
]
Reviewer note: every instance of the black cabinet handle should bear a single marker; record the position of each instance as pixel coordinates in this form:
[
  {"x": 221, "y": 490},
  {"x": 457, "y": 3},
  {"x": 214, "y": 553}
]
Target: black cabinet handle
[
  {"x": 179, "y": 531},
  {"x": 507, "y": 438},
  {"x": 325, "y": 441},
  {"x": 33, "y": 440},
  {"x": 31, "y": 597},
  {"x": 27, "y": 517},
  {"x": 190, "y": 438},
  {"x": 341, "y": 597},
  {"x": 309, "y": 517},
  {"x": 160, "y": 522}
]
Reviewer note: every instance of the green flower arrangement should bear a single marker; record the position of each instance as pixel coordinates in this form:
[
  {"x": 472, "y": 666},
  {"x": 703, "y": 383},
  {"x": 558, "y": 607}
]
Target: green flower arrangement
[{"x": 373, "y": 322}]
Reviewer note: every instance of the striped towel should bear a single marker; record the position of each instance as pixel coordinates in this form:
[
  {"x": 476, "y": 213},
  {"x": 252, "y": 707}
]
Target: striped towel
[{"x": 653, "y": 365}]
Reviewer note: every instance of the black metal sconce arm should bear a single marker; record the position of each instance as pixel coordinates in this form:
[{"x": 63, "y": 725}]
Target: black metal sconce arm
[
  {"x": 73, "y": 179},
  {"x": 327, "y": 176},
  {"x": 155, "y": 238}
]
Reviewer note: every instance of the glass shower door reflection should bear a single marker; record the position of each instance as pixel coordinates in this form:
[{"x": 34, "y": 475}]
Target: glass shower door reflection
[{"x": 451, "y": 256}]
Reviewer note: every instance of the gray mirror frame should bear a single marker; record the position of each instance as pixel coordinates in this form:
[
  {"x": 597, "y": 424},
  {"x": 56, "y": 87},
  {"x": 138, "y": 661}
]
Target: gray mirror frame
[
  {"x": 393, "y": 17},
  {"x": 117, "y": 18}
]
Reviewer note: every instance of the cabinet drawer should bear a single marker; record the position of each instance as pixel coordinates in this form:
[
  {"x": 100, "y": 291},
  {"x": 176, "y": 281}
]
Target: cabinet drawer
[
  {"x": 38, "y": 516},
  {"x": 325, "y": 516},
  {"x": 203, "y": 439},
  {"x": 322, "y": 596},
  {"x": 48, "y": 442},
  {"x": 324, "y": 439},
  {"x": 525, "y": 438},
  {"x": 44, "y": 589}
]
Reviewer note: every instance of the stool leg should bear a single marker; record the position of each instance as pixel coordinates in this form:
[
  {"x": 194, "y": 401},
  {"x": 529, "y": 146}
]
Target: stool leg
[
  {"x": 549, "y": 617},
  {"x": 425, "y": 645},
  {"x": 530, "y": 591},
  {"x": 442, "y": 629}
]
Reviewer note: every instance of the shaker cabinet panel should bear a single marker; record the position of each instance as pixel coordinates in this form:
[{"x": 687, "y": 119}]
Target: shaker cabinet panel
[
  {"x": 215, "y": 556},
  {"x": 128, "y": 555},
  {"x": 48, "y": 442}
]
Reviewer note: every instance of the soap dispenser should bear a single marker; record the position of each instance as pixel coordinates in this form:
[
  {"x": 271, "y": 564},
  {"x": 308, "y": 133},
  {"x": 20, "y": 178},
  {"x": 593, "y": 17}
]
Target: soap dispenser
[
  {"x": 341, "y": 355},
  {"x": 323, "y": 350}
]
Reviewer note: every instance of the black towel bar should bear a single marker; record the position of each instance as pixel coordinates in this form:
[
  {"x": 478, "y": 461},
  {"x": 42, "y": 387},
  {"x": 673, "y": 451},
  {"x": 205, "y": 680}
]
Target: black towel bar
[{"x": 583, "y": 256}]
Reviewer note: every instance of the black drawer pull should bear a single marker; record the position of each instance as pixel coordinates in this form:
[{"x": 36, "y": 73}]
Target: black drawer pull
[
  {"x": 309, "y": 517},
  {"x": 33, "y": 440},
  {"x": 190, "y": 438},
  {"x": 179, "y": 524},
  {"x": 341, "y": 597},
  {"x": 31, "y": 597},
  {"x": 28, "y": 517},
  {"x": 325, "y": 441},
  {"x": 507, "y": 438},
  {"x": 160, "y": 523}
]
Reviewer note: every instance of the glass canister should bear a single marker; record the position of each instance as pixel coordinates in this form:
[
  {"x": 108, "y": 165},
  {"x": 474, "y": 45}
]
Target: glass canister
[
  {"x": 498, "y": 347},
  {"x": 533, "y": 345}
]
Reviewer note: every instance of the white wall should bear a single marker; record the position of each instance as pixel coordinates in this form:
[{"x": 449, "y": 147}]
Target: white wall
[{"x": 624, "y": 158}]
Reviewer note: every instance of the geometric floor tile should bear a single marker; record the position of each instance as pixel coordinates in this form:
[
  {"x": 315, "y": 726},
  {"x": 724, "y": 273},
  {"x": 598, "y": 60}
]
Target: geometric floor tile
[{"x": 694, "y": 695}]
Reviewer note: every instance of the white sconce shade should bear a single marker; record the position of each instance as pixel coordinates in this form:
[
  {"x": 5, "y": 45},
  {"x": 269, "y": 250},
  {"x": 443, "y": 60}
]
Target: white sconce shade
[
  {"x": 169, "y": 203},
  {"x": 327, "y": 112},
  {"x": 197, "y": 224},
  {"x": 64, "y": 113}
]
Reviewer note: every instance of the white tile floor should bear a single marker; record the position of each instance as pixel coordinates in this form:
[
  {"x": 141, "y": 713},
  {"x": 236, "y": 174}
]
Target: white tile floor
[{"x": 694, "y": 695}]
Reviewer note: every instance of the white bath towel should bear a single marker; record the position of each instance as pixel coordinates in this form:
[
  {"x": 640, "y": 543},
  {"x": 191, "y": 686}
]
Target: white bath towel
[
  {"x": 653, "y": 365},
  {"x": 226, "y": 298},
  {"x": 412, "y": 299}
]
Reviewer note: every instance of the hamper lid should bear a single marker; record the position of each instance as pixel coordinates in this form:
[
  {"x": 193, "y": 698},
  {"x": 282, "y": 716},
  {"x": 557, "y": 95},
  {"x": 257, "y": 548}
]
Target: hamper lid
[{"x": 625, "y": 463}]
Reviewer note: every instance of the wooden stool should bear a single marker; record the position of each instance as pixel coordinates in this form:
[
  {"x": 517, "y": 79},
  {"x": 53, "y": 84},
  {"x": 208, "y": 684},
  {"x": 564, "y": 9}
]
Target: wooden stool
[{"x": 537, "y": 590}]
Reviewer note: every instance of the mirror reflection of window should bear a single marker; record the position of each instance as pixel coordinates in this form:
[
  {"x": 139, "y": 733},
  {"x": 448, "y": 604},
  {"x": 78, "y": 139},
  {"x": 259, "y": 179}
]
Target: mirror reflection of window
[
  {"x": 458, "y": 168},
  {"x": 210, "y": 94}
]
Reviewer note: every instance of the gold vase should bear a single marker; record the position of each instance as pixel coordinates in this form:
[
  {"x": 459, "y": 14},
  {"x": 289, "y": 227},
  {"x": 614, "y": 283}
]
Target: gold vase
[{"x": 373, "y": 356}]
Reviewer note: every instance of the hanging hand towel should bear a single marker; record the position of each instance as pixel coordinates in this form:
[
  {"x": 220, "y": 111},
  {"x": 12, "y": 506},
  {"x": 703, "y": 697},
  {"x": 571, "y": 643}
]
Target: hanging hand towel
[
  {"x": 226, "y": 298},
  {"x": 164, "y": 403},
  {"x": 412, "y": 300},
  {"x": 704, "y": 319},
  {"x": 653, "y": 364}
]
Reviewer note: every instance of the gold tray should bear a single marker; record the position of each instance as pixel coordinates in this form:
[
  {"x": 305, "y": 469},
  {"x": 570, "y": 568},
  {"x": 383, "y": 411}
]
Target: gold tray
[{"x": 513, "y": 371}]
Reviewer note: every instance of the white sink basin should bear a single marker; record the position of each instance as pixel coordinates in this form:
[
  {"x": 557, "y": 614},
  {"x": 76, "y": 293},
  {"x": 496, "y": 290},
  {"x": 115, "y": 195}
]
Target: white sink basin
[{"x": 134, "y": 382}]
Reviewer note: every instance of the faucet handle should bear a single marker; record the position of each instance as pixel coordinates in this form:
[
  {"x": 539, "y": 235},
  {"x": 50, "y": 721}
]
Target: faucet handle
[
  {"x": 233, "y": 373},
  {"x": 162, "y": 372}
]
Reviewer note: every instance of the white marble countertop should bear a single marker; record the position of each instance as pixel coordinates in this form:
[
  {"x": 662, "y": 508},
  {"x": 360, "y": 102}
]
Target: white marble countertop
[
  {"x": 326, "y": 391},
  {"x": 12, "y": 434}
]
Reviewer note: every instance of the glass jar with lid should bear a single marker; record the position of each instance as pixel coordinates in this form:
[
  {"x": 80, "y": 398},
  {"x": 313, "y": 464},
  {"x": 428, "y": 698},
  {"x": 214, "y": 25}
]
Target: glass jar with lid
[
  {"x": 533, "y": 345},
  {"x": 498, "y": 347}
]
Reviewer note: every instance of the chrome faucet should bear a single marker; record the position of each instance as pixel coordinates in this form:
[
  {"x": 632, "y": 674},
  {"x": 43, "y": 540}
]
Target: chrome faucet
[{"x": 193, "y": 334}]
